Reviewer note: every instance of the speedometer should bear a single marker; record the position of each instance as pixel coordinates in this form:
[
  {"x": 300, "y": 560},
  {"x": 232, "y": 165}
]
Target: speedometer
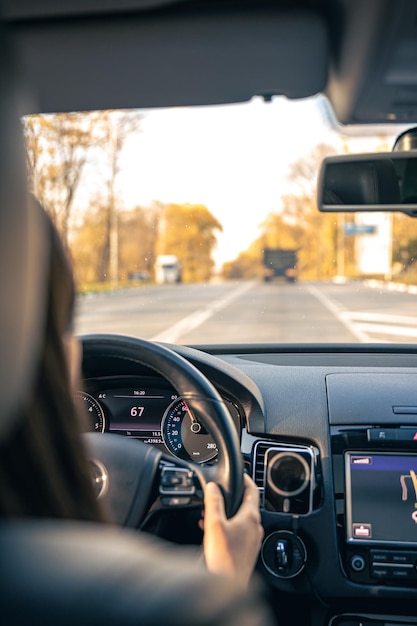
[
  {"x": 92, "y": 409},
  {"x": 185, "y": 436}
]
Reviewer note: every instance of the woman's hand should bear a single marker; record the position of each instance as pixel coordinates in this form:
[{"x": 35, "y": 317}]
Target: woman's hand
[{"x": 231, "y": 546}]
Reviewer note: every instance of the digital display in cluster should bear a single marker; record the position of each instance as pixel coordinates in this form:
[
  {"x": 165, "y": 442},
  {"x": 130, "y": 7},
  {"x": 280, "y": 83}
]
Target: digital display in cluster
[{"x": 137, "y": 412}]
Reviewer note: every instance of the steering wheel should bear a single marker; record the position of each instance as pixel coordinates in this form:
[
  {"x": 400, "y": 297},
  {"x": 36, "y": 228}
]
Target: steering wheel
[{"x": 126, "y": 471}]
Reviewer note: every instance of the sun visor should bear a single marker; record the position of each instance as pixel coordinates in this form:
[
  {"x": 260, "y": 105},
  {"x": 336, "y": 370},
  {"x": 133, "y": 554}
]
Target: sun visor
[{"x": 172, "y": 59}]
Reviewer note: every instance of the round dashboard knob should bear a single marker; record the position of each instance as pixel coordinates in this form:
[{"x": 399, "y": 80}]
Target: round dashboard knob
[
  {"x": 357, "y": 563},
  {"x": 284, "y": 554}
]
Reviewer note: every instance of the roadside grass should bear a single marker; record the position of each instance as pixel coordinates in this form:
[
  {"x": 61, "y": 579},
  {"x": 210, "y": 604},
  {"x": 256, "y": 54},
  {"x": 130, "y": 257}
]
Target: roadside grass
[
  {"x": 90, "y": 288},
  {"x": 95, "y": 288},
  {"x": 405, "y": 279},
  {"x": 408, "y": 278}
]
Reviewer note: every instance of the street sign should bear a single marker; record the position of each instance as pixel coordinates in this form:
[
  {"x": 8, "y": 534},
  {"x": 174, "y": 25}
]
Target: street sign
[{"x": 359, "y": 229}]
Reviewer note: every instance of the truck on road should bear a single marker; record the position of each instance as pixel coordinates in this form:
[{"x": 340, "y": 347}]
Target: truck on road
[
  {"x": 280, "y": 263},
  {"x": 168, "y": 269}
]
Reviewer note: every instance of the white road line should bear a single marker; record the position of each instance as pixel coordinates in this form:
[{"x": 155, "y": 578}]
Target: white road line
[
  {"x": 385, "y": 329},
  {"x": 362, "y": 323},
  {"x": 363, "y": 316},
  {"x": 339, "y": 313},
  {"x": 197, "y": 318}
]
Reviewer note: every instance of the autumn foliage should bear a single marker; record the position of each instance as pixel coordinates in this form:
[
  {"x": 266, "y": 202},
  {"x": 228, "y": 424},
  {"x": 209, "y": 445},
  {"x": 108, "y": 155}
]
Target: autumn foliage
[
  {"x": 189, "y": 232},
  {"x": 298, "y": 225},
  {"x": 69, "y": 154},
  {"x": 108, "y": 242}
]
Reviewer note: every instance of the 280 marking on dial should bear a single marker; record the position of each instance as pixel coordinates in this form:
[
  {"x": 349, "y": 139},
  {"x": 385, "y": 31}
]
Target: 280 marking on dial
[{"x": 185, "y": 436}]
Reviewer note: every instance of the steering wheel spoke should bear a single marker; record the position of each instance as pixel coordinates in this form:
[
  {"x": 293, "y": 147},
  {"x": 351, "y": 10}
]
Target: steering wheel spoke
[{"x": 178, "y": 487}]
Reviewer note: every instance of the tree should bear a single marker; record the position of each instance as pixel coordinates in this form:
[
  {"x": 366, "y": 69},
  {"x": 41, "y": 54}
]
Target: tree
[
  {"x": 247, "y": 265},
  {"x": 137, "y": 234},
  {"x": 112, "y": 128},
  {"x": 315, "y": 233},
  {"x": 299, "y": 225},
  {"x": 88, "y": 241},
  {"x": 404, "y": 242},
  {"x": 188, "y": 231},
  {"x": 57, "y": 147},
  {"x": 303, "y": 173}
]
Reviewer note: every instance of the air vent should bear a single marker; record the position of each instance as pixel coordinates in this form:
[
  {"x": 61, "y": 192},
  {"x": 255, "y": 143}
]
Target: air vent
[
  {"x": 259, "y": 462},
  {"x": 284, "y": 462}
]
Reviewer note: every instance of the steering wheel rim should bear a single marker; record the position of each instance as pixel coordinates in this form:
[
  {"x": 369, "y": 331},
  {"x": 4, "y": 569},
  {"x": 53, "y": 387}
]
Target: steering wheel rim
[{"x": 200, "y": 395}]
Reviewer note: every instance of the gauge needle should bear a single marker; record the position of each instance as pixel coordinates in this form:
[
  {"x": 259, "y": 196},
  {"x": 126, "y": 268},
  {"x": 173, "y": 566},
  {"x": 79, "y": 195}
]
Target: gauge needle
[{"x": 195, "y": 424}]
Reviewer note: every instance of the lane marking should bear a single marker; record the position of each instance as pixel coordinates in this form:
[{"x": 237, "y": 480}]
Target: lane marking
[
  {"x": 339, "y": 313},
  {"x": 363, "y": 316},
  {"x": 197, "y": 318},
  {"x": 361, "y": 323},
  {"x": 385, "y": 329}
]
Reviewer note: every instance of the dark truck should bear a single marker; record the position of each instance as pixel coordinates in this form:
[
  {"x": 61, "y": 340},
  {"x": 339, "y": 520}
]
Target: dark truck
[{"x": 280, "y": 263}]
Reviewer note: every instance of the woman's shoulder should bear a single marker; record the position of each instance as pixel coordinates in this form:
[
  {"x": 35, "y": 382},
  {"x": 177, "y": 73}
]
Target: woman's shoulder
[{"x": 73, "y": 573}]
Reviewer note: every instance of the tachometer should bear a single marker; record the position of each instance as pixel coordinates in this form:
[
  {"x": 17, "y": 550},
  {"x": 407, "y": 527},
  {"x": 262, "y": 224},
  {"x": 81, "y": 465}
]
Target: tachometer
[
  {"x": 92, "y": 409},
  {"x": 185, "y": 436}
]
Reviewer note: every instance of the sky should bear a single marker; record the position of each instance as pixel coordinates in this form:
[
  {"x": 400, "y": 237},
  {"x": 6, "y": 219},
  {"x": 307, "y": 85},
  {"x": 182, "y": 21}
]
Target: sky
[{"x": 234, "y": 159}]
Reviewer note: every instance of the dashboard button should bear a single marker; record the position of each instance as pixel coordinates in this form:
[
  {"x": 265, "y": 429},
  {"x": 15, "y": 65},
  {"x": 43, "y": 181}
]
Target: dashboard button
[
  {"x": 406, "y": 434},
  {"x": 401, "y": 573},
  {"x": 382, "y": 434},
  {"x": 380, "y": 557},
  {"x": 379, "y": 572}
]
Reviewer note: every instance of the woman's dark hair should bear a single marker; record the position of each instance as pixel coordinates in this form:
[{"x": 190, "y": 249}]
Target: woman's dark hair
[{"x": 43, "y": 469}]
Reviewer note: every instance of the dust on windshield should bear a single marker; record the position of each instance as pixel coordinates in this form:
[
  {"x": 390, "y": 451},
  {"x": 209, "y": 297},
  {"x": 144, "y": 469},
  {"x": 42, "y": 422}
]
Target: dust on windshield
[{"x": 200, "y": 226}]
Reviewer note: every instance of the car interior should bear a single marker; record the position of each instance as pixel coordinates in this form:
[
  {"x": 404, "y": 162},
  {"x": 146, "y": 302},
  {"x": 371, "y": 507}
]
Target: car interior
[{"x": 328, "y": 431}]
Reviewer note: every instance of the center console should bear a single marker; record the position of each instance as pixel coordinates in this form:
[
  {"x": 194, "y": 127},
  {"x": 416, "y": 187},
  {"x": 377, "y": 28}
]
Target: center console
[
  {"x": 373, "y": 429},
  {"x": 375, "y": 478}
]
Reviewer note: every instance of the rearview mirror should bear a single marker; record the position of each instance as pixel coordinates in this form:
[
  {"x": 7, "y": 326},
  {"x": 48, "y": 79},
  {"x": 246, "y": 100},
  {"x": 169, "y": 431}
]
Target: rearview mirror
[{"x": 385, "y": 181}]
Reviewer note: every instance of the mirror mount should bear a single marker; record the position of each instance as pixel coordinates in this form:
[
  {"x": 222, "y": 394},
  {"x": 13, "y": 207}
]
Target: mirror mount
[{"x": 406, "y": 141}]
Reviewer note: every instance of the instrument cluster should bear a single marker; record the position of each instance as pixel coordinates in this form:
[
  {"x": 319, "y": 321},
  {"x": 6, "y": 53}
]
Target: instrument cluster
[{"x": 150, "y": 410}]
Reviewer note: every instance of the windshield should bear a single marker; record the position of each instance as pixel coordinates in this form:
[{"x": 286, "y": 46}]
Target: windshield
[{"x": 199, "y": 226}]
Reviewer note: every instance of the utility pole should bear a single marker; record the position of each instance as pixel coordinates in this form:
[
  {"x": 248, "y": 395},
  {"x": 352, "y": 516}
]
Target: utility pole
[
  {"x": 340, "y": 252},
  {"x": 113, "y": 217}
]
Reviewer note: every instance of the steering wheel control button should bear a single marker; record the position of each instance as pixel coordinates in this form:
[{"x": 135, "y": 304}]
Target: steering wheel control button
[
  {"x": 176, "y": 482},
  {"x": 357, "y": 563},
  {"x": 284, "y": 554},
  {"x": 176, "y": 501},
  {"x": 289, "y": 480}
]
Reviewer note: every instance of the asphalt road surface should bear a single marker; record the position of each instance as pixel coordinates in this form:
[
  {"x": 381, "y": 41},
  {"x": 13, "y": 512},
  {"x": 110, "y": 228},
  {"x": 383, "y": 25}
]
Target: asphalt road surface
[{"x": 253, "y": 312}]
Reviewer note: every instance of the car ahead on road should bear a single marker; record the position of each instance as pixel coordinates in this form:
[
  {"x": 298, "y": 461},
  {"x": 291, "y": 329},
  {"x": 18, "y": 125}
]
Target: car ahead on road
[
  {"x": 142, "y": 276},
  {"x": 225, "y": 113}
]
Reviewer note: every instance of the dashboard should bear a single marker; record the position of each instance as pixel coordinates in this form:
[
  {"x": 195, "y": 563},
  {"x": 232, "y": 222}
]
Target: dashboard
[{"x": 329, "y": 435}]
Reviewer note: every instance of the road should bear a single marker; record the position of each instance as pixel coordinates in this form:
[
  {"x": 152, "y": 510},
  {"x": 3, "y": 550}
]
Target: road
[{"x": 248, "y": 312}]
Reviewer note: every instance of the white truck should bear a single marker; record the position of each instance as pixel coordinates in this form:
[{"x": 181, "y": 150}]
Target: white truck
[{"x": 167, "y": 269}]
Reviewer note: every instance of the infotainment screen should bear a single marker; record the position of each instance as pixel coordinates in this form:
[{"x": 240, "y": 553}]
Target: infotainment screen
[{"x": 381, "y": 498}]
